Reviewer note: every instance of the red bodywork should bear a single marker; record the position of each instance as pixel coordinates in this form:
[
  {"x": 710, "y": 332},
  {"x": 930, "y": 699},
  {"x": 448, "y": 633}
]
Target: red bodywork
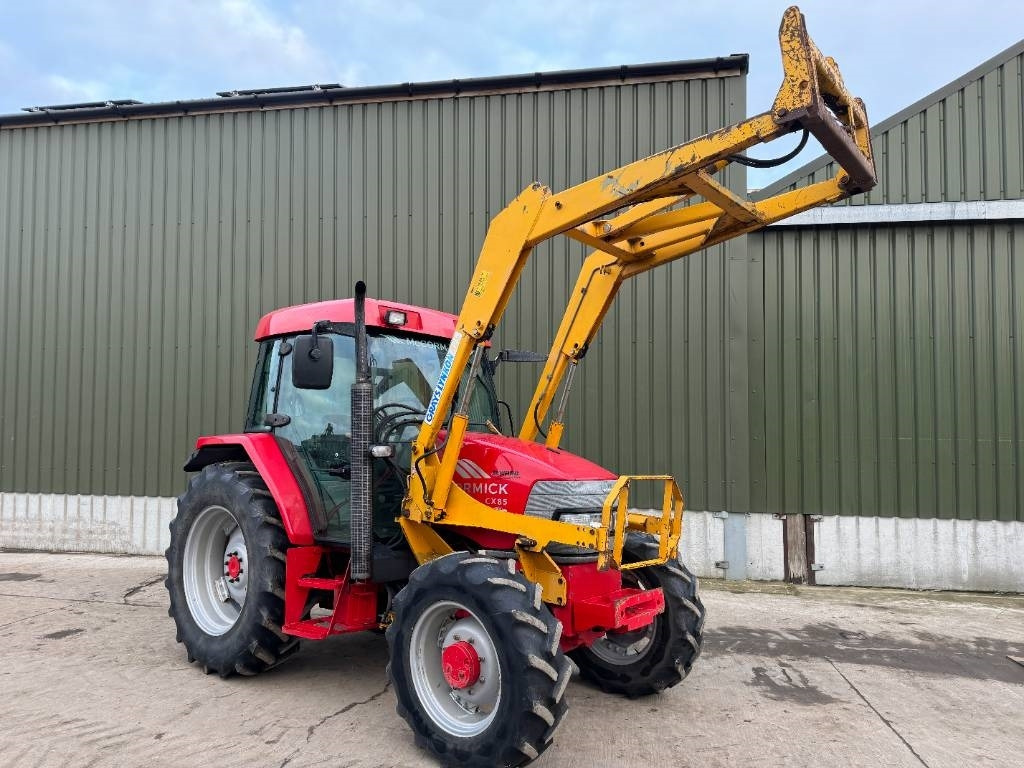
[
  {"x": 496, "y": 470},
  {"x": 299, "y": 319},
  {"x": 265, "y": 454},
  {"x": 597, "y": 603},
  {"x": 354, "y": 603}
]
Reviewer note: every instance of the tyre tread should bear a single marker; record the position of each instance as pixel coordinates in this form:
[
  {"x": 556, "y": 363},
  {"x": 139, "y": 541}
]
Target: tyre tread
[
  {"x": 523, "y": 631},
  {"x": 679, "y": 641},
  {"x": 257, "y": 642}
]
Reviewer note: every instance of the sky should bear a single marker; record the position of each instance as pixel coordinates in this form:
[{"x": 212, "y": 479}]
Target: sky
[{"x": 59, "y": 51}]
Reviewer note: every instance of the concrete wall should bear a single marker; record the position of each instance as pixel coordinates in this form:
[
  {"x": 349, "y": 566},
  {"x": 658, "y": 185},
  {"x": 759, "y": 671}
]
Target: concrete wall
[
  {"x": 986, "y": 556},
  {"x": 861, "y": 551},
  {"x": 135, "y": 525},
  {"x": 971, "y": 555}
]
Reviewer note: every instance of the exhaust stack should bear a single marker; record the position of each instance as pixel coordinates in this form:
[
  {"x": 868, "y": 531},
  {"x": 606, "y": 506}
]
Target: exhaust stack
[{"x": 360, "y": 460}]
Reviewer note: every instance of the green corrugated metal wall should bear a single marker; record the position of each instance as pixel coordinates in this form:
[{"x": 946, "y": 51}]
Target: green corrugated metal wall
[
  {"x": 893, "y": 371},
  {"x": 873, "y": 369},
  {"x": 893, "y": 355},
  {"x": 136, "y": 257}
]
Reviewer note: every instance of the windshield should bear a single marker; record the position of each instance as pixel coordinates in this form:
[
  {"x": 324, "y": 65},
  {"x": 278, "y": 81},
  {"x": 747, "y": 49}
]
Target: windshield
[{"x": 403, "y": 371}]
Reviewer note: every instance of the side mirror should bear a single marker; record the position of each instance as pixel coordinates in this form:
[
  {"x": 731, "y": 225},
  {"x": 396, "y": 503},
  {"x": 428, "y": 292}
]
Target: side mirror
[{"x": 313, "y": 362}]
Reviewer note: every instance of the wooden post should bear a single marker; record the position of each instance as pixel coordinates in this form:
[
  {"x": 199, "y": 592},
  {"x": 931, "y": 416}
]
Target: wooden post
[{"x": 794, "y": 542}]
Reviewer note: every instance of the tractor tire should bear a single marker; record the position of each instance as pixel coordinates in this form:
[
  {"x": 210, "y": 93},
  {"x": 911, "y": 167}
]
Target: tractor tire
[
  {"x": 225, "y": 572},
  {"x": 502, "y": 707},
  {"x": 660, "y": 655}
]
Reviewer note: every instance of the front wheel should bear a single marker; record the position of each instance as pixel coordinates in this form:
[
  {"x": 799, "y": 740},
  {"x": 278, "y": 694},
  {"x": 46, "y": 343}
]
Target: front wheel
[
  {"x": 476, "y": 664},
  {"x": 661, "y": 654}
]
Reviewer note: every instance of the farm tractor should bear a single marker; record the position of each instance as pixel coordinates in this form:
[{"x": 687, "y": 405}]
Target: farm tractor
[{"x": 377, "y": 484}]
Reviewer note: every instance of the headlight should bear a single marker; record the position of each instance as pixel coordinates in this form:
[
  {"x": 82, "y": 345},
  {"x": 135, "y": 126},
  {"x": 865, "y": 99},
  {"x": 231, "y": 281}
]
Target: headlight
[{"x": 593, "y": 519}]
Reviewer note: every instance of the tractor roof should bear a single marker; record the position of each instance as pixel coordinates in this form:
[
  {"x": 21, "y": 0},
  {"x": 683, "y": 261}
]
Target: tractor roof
[{"x": 419, "y": 320}]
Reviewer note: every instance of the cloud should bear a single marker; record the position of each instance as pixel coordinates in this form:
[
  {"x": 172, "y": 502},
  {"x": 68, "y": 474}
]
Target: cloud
[
  {"x": 152, "y": 51},
  {"x": 70, "y": 90}
]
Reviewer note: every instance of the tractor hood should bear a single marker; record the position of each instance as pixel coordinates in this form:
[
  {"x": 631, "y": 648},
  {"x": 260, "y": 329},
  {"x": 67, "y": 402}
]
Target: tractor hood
[
  {"x": 526, "y": 477},
  {"x": 504, "y": 455}
]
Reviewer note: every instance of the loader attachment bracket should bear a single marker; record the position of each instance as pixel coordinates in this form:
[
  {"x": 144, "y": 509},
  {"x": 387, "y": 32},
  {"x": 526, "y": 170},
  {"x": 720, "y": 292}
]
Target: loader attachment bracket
[{"x": 813, "y": 96}]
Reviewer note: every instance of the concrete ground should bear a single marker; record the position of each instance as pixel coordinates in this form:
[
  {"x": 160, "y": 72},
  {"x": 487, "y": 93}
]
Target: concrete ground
[{"x": 90, "y": 675}]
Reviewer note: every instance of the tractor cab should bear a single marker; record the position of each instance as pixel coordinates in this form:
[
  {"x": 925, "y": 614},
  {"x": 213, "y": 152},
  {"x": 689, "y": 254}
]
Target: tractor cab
[{"x": 312, "y": 420}]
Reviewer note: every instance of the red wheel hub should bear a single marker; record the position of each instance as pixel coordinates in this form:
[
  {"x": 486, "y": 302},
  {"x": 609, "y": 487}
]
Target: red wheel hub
[
  {"x": 461, "y": 665},
  {"x": 234, "y": 566}
]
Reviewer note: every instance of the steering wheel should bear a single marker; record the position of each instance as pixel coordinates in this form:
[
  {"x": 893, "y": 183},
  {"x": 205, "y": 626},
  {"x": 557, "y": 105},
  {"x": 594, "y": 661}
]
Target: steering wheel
[{"x": 390, "y": 417}]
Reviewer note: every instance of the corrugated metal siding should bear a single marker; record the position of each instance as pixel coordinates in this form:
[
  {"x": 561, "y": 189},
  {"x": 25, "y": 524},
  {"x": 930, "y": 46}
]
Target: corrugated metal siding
[
  {"x": 893, "y": 362},
  {"x": 136, "y": 257},
  {"x": 968, "y": 145}
]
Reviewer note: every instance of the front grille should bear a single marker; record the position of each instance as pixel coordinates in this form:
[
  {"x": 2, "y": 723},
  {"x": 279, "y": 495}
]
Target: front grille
[{"x": 549, "y": 496}]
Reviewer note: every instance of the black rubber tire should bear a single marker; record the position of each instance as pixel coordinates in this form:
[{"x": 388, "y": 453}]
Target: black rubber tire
[
  {"x": 256, "y": 642},
  {"x": 678, "y": 632},
  {"x": 535, "y": 672}
]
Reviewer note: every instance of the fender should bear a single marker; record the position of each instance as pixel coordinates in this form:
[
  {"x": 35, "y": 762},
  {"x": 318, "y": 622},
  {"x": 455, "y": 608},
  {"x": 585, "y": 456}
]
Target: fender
[{"x": 263, "y": 451}]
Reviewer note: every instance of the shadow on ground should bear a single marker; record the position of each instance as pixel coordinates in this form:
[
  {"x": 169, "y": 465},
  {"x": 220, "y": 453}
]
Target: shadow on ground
[{"x": 981, "y": 658}]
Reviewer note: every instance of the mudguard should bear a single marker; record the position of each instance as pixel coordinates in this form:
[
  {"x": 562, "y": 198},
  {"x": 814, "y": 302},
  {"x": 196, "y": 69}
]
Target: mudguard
[{"x": 263, "y": 451}]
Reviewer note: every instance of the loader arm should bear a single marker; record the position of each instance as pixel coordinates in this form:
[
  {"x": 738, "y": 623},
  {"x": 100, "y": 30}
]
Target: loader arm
[{"x": 643, "y": 215}]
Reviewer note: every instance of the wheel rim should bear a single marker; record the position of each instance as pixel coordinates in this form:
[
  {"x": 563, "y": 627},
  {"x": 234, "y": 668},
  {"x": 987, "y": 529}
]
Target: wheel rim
[
  {"x": 627, "y": 648},
  {"x": 460, "y": 711},
  {"x": 216, "y": 570}
]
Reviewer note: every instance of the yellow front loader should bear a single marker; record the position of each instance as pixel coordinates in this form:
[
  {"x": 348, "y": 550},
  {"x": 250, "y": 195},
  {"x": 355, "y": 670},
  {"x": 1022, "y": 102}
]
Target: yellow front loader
[
  {"x": 636, "y": 218},
  {"x": 629, "y": 616}
]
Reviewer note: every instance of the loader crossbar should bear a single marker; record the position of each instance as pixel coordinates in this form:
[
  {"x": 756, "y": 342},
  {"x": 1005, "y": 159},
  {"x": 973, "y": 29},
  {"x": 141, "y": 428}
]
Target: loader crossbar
[{"x": 643, "y": 215}]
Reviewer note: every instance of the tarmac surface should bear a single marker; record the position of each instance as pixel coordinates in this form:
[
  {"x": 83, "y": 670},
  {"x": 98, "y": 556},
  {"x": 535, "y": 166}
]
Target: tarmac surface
[{"x": 90, "y": 675}]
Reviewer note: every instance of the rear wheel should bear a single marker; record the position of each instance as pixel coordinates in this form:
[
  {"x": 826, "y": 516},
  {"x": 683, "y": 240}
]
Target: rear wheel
[
  {"x": 661, "y": 654},
  {"x": 225, "y": 572},
  {"x": 476, "y": 664}
]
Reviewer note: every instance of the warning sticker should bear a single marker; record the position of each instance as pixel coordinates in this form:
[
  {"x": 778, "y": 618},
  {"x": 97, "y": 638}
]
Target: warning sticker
[{"x": 480, "y": 284}]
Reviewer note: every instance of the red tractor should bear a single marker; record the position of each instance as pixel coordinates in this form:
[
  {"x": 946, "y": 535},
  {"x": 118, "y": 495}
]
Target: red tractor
[{"x": 378, "y": 486}]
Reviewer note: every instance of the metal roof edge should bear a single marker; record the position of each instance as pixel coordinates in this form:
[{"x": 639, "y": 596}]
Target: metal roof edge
[
  {"x": 918, "y": 106},
  {"x": 951, "y": 212},
  {"x": 734, "y": 65}
]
